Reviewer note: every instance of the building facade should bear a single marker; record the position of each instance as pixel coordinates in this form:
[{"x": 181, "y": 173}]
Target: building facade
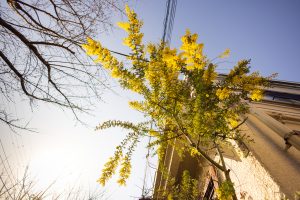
[{"x": 268, "y": 167}]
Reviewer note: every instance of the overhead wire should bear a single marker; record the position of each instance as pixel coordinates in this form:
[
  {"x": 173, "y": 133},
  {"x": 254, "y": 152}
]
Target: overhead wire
[
  {"x": 165, "y": 26},
  {"x": 169, "y": 20}
]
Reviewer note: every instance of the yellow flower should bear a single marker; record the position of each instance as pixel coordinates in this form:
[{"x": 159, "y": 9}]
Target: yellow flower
[
  {"x": 225, "y": 54},
  {"x": 124, "y": 170},
  {"x": 194, "y": 152},
  {"x": 132, "y": 27},
  {"x": 170, "y": 196},
  {"x": 128, "y": 10},
  {"x": 91, "y": 46},
  {"x": 153, "y": 133},
  {"x": 234, "y": 123},
  {"x": 116, "y": 73},
  {"x": 256, "y": 95},
  {"x": 233, "y": 120},
  {"x": 170, "y": 58},
  {"x": 127, "y": 42},
  {"x": 111, "y": 166},
  {"x": 209, "y": 74},
  {"x": 105, "y": 58},
  {"x": 136, "y": 105},
  {"x": 124, "y": 25},
  {"x": 223, "y": 93},
  {"x": 192, "y": 51}
]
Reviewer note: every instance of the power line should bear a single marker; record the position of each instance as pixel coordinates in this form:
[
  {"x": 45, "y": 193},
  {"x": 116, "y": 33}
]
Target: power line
[{"x": 169, "y": 20}]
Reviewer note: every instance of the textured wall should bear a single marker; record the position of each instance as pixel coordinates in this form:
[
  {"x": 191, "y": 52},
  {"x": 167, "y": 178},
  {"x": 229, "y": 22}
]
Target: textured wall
[
  {"x": 269, "y": 172},
  {"x": 252, "y": 181}
]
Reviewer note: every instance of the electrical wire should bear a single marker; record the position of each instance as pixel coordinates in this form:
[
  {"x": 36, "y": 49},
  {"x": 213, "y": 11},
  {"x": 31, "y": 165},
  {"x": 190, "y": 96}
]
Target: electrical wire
[{"x": 169, "y": 20}]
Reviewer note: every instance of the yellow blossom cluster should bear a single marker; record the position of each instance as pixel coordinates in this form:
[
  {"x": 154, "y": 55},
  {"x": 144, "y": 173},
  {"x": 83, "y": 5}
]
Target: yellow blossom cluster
[
  {"x": 180, "y": 92},
  {"x": 153, "y": 133},
  {"x": 91, "y": 46},
  {"x": 223, "y": 93},
  {"x": 104, "y": 56},
  {"x": 132, "y": 27},
  {"x": 252, "y": 83},
  {"x": 125, "y": 170},
  {"x": 161, "y": 152},
  {"x": 209, "y": 75},
  {"x": 256, "y": 95},
  {"x": 194, "y": 152},
  {"x": 108, "y": 61},
  {"x": 171, "y": 58},
  {"x": 111, "y": 166},
  {"x": 233, "y": 120},
  {"x": 192, "y": 51},
  {"x": 137, "y": 105},
  {"x": 225, "y": 54}
]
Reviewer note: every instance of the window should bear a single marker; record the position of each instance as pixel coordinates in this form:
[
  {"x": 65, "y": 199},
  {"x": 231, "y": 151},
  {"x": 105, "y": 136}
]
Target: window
[{"x": 209, "y": 194}]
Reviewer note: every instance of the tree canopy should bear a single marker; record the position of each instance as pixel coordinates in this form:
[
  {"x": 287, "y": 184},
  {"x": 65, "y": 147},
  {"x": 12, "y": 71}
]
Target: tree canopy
[
  {"x": 183, "y": 96},
  {"x": 41, "y": 56}
]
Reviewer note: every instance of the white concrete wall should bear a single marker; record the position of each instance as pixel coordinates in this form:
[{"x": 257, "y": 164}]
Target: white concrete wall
[
  {"x": 269, "y": 172},
  {"x": 252, "y": 181}
]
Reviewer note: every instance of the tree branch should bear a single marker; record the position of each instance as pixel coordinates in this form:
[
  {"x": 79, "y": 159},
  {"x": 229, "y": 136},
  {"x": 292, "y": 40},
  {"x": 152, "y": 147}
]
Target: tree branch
[
  {"x": 226, "y": 171},
  {"x": 40, "y": 57},
  {"x": 52, "y": 44},
  {"x": 239, "y": 124}
]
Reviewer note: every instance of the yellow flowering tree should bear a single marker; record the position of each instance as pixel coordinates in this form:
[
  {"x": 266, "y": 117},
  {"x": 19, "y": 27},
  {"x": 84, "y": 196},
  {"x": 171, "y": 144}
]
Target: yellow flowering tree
[{"x": 182, "y": 96}]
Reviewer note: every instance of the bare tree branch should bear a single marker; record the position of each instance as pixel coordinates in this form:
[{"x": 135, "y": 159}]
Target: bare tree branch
[{"x": 41, "y": 58}]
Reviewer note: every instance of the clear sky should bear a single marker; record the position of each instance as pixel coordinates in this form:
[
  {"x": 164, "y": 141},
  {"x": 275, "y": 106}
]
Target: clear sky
[{"x": 267, "y": 32}]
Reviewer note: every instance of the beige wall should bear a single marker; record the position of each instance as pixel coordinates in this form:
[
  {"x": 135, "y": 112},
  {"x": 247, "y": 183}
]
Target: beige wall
[
  {"x": 252, "y": 181},
  {"x": 270, "y": 171}
]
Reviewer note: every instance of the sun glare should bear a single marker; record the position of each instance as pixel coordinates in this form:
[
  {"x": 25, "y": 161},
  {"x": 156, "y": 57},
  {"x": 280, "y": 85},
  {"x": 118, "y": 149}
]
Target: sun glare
[{"x": 56, "y": 162}]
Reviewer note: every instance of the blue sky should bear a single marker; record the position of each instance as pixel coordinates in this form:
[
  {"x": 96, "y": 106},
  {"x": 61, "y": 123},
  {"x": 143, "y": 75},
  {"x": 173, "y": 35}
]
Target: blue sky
[{"x": 267, "y": 32}]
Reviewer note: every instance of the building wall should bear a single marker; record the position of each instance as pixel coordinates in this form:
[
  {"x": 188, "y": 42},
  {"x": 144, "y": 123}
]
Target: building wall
[
  {"x": 251, "y": 180},
  {"x": 270, "y": 171}
]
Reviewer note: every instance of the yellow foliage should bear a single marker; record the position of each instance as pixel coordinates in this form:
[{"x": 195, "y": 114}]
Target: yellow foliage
[
  {"x": 110, "y": 166},
  {"x": 153, "y": 133},
  {"x": 233, "y": 122},
  {"x": 209, "y": 74},
  {"x": 104, "y": 56},
  {"x": 223, "y": 93},
  {"x": 256, "y": 95},
  {"x": 225, "y": 191},
  {"x": 136, "y": 105},
  {"x": 192, "y": 51},
  {"x": 161, "y": 152},
  {"x": 90, "y": 47},
  {"x": 124, "y": 25},
  {"x": 225, "y": 54},
  {"x": 124, "y": 171},
  {"x": 194, "y": 152},
  {"x": 179, "y": 91},
  {"x": 132, "y": 27},
  {"x": 170, "y": 57},
  {"x": 170, "y": 196}
]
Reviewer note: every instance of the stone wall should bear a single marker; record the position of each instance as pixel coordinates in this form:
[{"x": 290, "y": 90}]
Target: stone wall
[{"x": 252, "y": 181}]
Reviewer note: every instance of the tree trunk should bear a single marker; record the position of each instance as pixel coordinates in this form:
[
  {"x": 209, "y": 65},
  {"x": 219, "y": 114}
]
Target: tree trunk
[{"x": 226, "y": 172}]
